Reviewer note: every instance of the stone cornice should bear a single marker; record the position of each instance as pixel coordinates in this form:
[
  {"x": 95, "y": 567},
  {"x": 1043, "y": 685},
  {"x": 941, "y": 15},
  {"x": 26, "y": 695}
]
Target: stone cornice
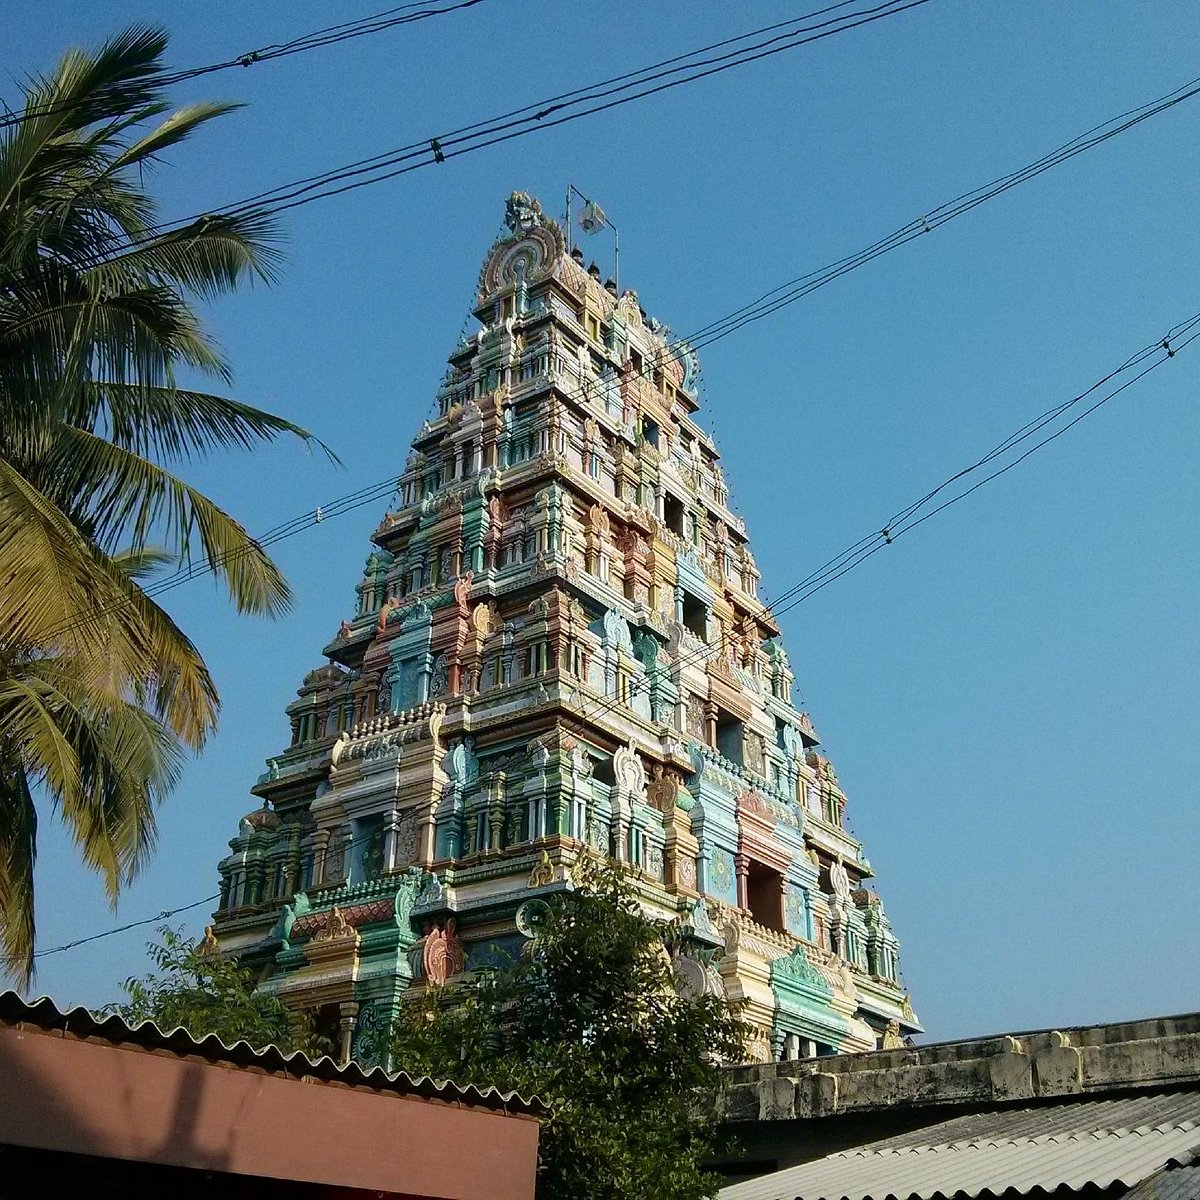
[{"x": 1162, "y": 1052}]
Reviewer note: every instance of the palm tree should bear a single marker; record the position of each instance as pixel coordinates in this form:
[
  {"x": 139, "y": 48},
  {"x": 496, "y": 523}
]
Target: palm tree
[{"x": 100, "y": 692}]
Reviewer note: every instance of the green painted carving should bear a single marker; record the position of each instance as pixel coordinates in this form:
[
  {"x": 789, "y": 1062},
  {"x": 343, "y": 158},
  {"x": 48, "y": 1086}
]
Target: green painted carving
[{"x": 797, "y": 970}]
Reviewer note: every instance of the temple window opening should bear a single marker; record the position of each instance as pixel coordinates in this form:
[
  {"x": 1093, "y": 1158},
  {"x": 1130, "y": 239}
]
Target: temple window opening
[
  {"x": 673, "y": 514},
  {"x": 764, "y": 895},
  {"x": 695, "y": 616},
  {"x": 730, "y": 737}
]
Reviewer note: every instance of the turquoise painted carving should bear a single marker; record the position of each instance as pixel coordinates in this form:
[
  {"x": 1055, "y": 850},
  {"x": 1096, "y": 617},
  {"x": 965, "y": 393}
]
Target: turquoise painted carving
[{"x": 563, "y": 577}]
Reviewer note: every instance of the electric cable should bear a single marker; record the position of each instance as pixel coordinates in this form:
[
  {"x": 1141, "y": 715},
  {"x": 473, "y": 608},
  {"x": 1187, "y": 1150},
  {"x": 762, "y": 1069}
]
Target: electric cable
[
  {"x": 433, "y": 150},
  {"x": 771, "y": 302},
  {"x": 344, "y": 848},
  {"x": 1179, "y": 338},
  {"x": 95, "y": 937},
  {"x": 309, "y": 41},
  {"x": 721, "y": 328},
  {"x": 1161, "y": 351}
]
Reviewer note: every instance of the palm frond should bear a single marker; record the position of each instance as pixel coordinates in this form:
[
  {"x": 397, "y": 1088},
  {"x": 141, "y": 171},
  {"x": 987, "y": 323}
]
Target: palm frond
[
  {"x": 174, "y": 129},
  {"x": 100, "y": 691},
  {"x": 141, "y": 563},
  {"x": 53, "y": 588},
  {"x": 176, "y": 424},
  {"x": 64, "y": 599},
  {"x": 132, "y": 498},
  {"x": 122, "y": 76},
  {"x": 210, "y": 256}
]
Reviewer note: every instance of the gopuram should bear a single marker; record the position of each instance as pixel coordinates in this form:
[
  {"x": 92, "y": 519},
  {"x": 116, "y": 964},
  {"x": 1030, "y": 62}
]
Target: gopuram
[{"x": 557, "y": 644}]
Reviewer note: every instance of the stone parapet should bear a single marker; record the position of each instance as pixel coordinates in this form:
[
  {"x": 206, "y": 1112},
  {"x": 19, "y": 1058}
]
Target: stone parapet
[{"x": 1153, "y": 1053}]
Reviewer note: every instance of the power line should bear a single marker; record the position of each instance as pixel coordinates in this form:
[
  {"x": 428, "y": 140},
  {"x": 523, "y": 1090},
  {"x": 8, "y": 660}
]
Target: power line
[
  {"x": 345, "y": 848},
  {"x": 1169, "y": 348},
  {"x": 1156, "y": 354},
  {"x": 539, "y": 109},
  {"x": 95, "y": 937},
  {"x": 537, "y": 122},
  {"x": 794, "y": 289},
  {"x": 328, "y": 36},
  {"x": 767, "y": 304},
  {"x": 441, "y": 147}
]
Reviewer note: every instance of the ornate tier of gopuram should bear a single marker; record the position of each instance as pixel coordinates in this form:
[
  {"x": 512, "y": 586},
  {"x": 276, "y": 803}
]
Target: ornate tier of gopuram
[{"x": 557, "y": 644}]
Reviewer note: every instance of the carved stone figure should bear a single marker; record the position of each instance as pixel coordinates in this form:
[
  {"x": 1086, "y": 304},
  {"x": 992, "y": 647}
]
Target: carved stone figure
[
  {"x": 686, "y": 870},
  {"x": 462, "y": 589},
  {"x": 443, "y": 953},
  {"x": 522, "y": 212},
  {"x": 407, "y": 840},
  {"x": 628, "y": 770},
  {"x": 437, "y": 677},
  {"x": 839, "y": 881},
  {"x": 543, "y": 871},
  {"x": 388, "y": 607}
]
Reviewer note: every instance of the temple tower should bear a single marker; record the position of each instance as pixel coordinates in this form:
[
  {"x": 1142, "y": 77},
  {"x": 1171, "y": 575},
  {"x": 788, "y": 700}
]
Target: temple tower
[{"x": 557, "y": 643}]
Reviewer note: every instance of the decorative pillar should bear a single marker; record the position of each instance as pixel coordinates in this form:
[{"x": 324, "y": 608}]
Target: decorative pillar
[
  {"x": 320, "y": 841},
  {"x": 741, "y": 866},
  {"x": 348, "y": 1013},
  {"x": 391, "y": 828},
  {"x": 778, "y": 1044},
  {"x": 496, "y": 812}
]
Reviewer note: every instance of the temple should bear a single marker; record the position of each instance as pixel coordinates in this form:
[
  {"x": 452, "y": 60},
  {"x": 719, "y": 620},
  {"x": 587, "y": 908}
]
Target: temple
[{"x": 557, "y": 646}]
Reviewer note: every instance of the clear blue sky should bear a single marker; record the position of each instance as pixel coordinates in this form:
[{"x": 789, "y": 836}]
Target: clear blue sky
[{"x": 1010, "y": 693}]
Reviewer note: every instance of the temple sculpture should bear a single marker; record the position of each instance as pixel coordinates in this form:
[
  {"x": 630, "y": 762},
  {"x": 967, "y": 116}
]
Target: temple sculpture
[{"x": 557, "y": 645}]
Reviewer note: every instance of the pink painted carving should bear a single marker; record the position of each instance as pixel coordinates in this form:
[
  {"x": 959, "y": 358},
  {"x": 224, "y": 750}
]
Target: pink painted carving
[
  {"x": 462, "y": 589},
  {"x": 443, "y": 954}
]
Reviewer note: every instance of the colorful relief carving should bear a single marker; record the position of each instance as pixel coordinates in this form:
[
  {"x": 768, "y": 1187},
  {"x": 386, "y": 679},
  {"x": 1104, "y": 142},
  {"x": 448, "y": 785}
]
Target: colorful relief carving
[
  {"x": 556, "y": 648},
  {"x": 442, "y": 955}
]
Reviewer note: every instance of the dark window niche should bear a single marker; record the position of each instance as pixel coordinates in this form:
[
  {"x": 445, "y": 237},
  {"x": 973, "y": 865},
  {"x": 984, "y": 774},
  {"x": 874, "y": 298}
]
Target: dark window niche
[
  {"x": 673, "y": 514},
  {"x": 764, "y": 896},
  {"x": 695, "y": 616},
  {"x": 729, "y": 737}
]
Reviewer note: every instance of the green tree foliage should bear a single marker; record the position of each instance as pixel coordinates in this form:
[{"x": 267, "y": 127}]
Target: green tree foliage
[
  {"x": 202, "y": 991},
  {"x": 100, "y": 692},
  {"x": 590, "y": 1022}
]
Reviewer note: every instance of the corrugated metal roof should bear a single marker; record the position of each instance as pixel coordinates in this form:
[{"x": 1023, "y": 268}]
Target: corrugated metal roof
[
  {"x": 1065, "y": 1116},
  {"x": 1098, "y": 1142},
  {"x": 1173, "y": 1182},
  {"x": 43, "y": 1013}
]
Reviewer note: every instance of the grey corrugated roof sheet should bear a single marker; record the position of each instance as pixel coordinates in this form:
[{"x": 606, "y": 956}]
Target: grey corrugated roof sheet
[
  {"x": 1173, "y": 1182},
  {"x": 45, "y": 1014},
  {"x": 1073, "y": 1143}
]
